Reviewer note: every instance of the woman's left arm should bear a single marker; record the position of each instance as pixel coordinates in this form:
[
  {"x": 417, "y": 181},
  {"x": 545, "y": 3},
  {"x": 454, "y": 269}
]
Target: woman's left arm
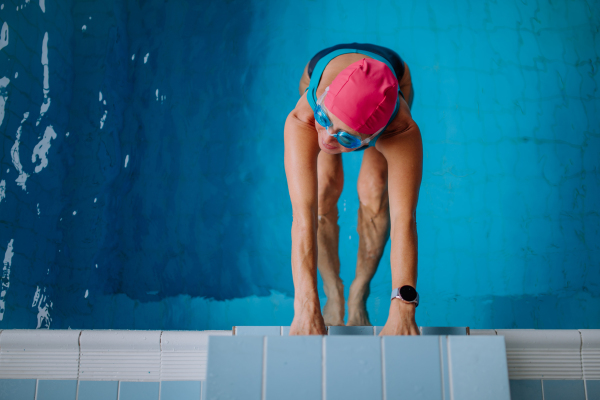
[{"x": 404, "y": 155}]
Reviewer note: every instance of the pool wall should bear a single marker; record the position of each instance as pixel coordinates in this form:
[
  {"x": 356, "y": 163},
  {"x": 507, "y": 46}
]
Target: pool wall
[{"x": 142, "y": 182}]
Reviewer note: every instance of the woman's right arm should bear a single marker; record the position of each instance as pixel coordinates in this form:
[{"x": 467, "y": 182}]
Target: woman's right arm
[{"x": 301, "y": 151}]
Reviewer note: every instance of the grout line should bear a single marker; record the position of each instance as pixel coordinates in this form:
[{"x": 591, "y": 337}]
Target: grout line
[
  {"x": 581, "y": 354},
  {"x": 323, "y": 372},
  {"x": 281, "y": 331},
  {"x": 450, "y": 383},
  {"x": 384, "y": 393},
  {"x": 264, "y": 369},
  {"x": 160, "y": 351},
  {"x": 77, "y": 392},
  {"x": 160, "y": 385},
  {"x": 542, "y": 383},
  {"x": 119, "y": 391},
  {"x": 79, "y": 362},
  {"x": 444, "y": 394},
  {"x": 581, "y": 360},
  {"x": 35, "y": 395}
]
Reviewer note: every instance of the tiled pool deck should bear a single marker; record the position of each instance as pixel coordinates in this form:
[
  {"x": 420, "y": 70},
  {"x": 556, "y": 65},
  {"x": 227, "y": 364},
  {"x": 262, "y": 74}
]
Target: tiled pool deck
[{"x": 153, "y": 365}]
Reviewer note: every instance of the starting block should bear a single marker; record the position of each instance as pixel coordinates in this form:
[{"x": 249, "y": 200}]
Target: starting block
[{"x": 358, "y": 365}]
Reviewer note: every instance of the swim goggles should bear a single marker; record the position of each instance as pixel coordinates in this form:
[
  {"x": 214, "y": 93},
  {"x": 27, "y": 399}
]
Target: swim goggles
[{"x": 344, "y": 138}]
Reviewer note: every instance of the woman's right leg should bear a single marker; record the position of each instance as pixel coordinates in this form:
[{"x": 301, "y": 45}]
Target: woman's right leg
[{"x": 330, "y": 175}]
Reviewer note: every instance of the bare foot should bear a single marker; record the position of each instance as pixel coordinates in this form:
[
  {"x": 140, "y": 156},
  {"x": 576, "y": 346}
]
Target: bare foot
[
  {"x": 358, "y": 315},
  {"x": 333, "y": 312},
  {"x": 305, "y": 324},
  {"x": 401, "y": 320},
  {"x": 357, "y": 307},
  {"x": 307, "y": 317}
]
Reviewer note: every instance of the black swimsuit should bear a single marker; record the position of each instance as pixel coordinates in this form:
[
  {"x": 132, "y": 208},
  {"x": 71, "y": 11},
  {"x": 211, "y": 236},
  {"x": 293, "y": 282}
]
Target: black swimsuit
[{"x": 384, "y": 52}]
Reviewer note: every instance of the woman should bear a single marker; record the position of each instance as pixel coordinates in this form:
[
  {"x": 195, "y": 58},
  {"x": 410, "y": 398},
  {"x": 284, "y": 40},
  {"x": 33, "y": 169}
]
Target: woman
[{"x": 354, "y": 97}]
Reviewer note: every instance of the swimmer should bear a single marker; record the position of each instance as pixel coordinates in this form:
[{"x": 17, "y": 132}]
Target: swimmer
[{"x": 353, "y": 97}]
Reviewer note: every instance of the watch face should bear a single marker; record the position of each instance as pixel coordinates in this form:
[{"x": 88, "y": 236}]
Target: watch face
[{"x": 408, "y": 293}]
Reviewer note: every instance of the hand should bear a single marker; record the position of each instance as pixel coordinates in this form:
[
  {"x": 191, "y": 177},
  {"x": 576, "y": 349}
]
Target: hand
[
  {"x": 308, "y": 321},
  {"x": 401, "y": 319}
]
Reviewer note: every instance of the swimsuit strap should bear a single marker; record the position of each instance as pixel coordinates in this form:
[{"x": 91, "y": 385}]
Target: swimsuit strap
[{"x": 315, "y": 79}]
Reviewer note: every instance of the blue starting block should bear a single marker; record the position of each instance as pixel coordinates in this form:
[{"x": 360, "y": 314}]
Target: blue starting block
[{"x": 359, "y": 366}]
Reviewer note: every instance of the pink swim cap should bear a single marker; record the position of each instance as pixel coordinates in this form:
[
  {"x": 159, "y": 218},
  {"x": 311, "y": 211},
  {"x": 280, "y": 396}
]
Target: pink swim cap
[{"x": 363, "y": 95}]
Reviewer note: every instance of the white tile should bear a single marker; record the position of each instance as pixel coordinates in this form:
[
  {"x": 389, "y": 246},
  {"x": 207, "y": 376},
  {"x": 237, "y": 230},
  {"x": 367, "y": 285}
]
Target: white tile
[
  {"x": 184, "y": 354},
  {"x": 543, "y": 353},
  {"x": 590, "y": 353},
  {"x": 45, "y": 354},
  {"x": 120, "y": 355}
]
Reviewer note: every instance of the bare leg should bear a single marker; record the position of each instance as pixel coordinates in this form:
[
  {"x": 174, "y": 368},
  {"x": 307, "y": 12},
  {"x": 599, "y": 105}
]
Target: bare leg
[
  {"x": 373, "y": 229},
  {"x": 331, "y": 182}
]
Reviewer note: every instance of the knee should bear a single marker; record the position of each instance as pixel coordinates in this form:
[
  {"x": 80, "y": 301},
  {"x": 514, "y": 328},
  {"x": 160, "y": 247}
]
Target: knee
[
  {"x": 330, "y": 190},
  {"x": 373, "y": 194}
]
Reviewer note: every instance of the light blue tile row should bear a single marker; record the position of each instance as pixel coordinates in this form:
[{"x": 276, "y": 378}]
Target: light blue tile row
[
  {"x": 180, "y": 390},
  {"x": 357, "y": 367},
  {"x": 478, "y": 368},
  {"x": 24, "y": 389},
  {"x": 56, "y": 390},
  {"x": 98, "y": 390},
  {"x": 286, "y": 363},
  {"x": 17, "y": 389},
  {"x": 294, "y": 367},
  {"x": 526, "y": 390},
  {"x": 234, "y": 368},
  {"x": 139, "y": 390},
  {"x": 344, "y": 330},
  {"x": 564, "y": 390}
]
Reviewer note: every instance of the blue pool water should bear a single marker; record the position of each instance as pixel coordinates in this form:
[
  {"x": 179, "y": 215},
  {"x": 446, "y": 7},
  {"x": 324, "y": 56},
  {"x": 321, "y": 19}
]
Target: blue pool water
[{"x": 145, "y": 188}]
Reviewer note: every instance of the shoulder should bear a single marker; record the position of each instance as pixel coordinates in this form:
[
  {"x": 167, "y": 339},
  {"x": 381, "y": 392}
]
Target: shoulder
[
  {"x": 401, "y": 124},
  {"x": 302, "y": 113},
  {"x": 402, "y": 139}
]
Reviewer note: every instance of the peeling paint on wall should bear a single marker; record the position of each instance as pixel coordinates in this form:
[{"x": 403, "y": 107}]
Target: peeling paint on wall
[
  {"x": 46, "y": 104},
  {"x": 8, "y": 255},
  {"x": 16, "y": 159},
  {"x": 4, "y": 36},
  {"x": 40, "y": 300},
  {"x": 3, "y": 97},
  {"x": 40, "y": 151}
]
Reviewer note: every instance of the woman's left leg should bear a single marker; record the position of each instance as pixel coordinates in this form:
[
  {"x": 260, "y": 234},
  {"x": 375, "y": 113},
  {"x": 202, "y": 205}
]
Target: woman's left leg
[{"x": 373, "y": 230}]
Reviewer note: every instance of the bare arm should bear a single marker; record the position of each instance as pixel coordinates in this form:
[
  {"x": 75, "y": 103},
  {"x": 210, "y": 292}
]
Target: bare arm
[
  {"x": 406, "y": 86},
  {"x": 404, "y": 154},
  {"x": 301, "y": 171}
]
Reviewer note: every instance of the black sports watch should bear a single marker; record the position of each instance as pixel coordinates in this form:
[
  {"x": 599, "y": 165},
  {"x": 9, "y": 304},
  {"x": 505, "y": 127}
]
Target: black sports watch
[{"x": 406, "y": 293}]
